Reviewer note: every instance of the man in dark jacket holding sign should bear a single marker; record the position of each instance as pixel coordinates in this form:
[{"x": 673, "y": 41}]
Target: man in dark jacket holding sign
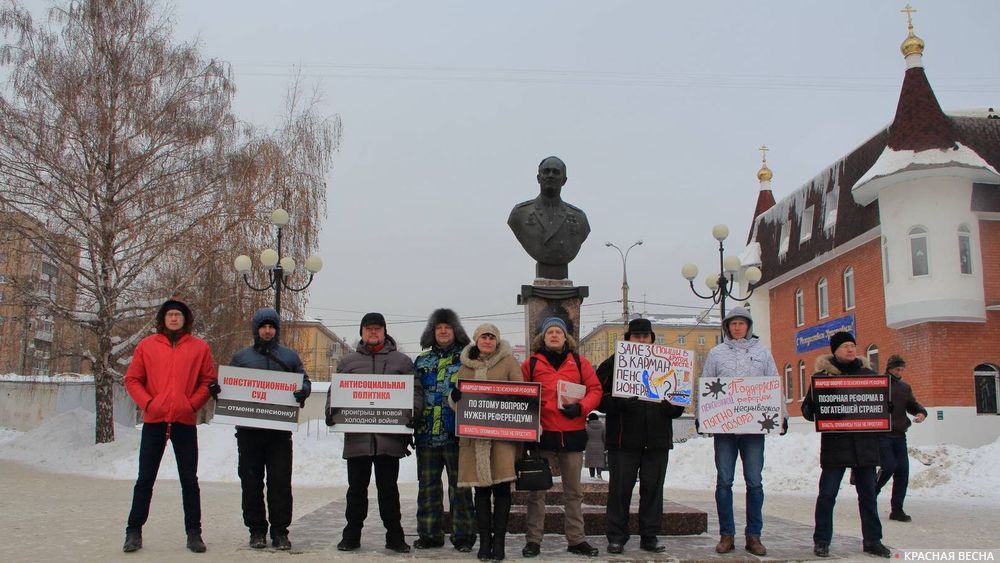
[
  {"x": 264, "y": 451},
  {"x": 840, "y": 450},
  {"x": 639, "y": 436}
]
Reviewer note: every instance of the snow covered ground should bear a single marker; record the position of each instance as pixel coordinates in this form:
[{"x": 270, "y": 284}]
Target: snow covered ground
[{"x": 64, "y": 444}]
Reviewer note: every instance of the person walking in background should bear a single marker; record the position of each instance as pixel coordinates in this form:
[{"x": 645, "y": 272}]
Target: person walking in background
[
  {"x": 168, "y": 379},
  {"x": 892, "y": 445},
  {"x": 640, "y": 435},
  {"x": 554, "y": 358},
  {"x": 595, "y": 456},
  {"x": 741, "y": 354},
  {"x": 375, "y": 354},
  {"x": 265, "y": 452},
  {"x": 841, "y": 450},
  {"x": 437, "y": 447},
  {"x": 488, "y": 465}
]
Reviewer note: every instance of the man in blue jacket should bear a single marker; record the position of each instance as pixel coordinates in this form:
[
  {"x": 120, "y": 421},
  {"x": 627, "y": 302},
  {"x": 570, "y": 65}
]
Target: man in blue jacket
[{"x": 263, "y": 451}]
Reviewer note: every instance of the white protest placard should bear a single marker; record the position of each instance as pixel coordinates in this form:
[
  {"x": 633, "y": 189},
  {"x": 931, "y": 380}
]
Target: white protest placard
[
  {"x": 653, "y": 372},
  {"x": 569, "y": 393},
  {"x": 739, "y": 405},
  {"x": 258, "y": 398},
  {"x": 371, "y": 403}
]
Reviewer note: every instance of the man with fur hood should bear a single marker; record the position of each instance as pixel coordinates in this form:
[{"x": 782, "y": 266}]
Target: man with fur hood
[
  {"x": 265, "y": 451},
  {"x": 168, "y": 379},
  {"x": 376, "y": 354},
  {"x": 741, "y": 354},
  {"x": 437, "y": 446},
  {"x": 841, "y": 450}
]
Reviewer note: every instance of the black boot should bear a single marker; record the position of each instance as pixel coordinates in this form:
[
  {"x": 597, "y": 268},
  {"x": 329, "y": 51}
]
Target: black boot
[
  {"x": 484, "y": 524},
  {"x": 501, "y": 512}
]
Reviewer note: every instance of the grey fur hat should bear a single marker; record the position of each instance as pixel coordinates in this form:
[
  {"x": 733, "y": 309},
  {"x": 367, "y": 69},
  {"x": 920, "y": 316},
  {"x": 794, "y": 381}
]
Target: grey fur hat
[{"x": 450, "y": 318}]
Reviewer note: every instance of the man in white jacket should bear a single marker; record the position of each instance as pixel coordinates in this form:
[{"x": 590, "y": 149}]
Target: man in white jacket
[{"x": 740, "y": 355}]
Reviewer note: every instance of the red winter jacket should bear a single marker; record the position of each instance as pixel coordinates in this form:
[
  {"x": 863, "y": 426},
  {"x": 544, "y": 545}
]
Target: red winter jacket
[
  {"x": 170, "y": 382},
  {"x": 553, "y": 421}
]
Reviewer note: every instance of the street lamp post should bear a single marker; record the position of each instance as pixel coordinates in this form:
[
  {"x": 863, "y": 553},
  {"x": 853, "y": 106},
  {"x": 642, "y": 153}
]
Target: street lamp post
[
  {"x": 624, "y": 256},
  {"x": 279, "y": 269},
  {"x": 721, "y": 285}
]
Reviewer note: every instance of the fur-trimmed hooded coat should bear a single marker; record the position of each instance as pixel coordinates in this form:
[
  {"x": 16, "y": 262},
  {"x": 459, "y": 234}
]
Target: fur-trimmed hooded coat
[
  {"x": 482, "y": 463},
  {"x": 842, "y": 449}
]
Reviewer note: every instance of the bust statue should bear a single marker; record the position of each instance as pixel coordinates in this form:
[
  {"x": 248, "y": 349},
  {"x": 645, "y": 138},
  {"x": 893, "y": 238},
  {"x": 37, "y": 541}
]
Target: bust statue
[{"x": 550, "y": 230}]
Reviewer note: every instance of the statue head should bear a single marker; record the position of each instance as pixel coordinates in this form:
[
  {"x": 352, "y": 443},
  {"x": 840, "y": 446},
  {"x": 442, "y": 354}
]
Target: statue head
[{"x": 551, "y": 176}]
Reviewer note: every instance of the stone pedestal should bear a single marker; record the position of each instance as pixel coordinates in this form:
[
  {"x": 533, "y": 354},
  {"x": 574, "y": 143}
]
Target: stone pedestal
[{"x": 551, "y": 298}]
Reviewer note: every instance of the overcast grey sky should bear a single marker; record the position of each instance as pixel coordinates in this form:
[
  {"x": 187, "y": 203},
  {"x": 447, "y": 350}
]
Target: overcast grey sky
[{"x": 657, "y": 108}]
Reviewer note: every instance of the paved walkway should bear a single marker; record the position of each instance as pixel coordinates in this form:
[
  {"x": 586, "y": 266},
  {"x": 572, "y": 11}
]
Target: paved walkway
[{"x": 52, "y": 517}]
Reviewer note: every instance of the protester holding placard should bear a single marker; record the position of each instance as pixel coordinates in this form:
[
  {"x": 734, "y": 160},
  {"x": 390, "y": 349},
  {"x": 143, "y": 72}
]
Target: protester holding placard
[
  {"x": 564, "y": 434},
  {"x": 488, "y": 465},
  {"x": 168, "y": 379},
  {"x": 264, "y": 451},
  {"x": 640, "y": 435},
  {"x": 375, "y": 354},
  {"x": 740, "y": 355},
  {"x": 437, "y": 367},
  {"x": 842, "y": 450}
]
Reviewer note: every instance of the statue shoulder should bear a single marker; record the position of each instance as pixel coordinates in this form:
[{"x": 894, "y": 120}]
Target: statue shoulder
[{"x": 521, "y": 210}]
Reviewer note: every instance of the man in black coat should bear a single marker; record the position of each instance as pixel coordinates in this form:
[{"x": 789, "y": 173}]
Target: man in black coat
[
  {"x": 639, "y": 436},
  {"x": 892, "y": 445},
  {"x": 842, "y": 450},
  {"x": 264, "y": 451}
]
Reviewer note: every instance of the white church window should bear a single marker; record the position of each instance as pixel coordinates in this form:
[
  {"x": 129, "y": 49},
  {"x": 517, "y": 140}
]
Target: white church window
[
  {"x": 965, "y": 249},
  {"x": 848, "y": 289},
  {"x": 806, "y": 227},
  {"x": 823, "y": 298},
  {"x": 800, "y": 308},
  {"x": 802, "y": 380},
  {"x": 919, "y": 263}
]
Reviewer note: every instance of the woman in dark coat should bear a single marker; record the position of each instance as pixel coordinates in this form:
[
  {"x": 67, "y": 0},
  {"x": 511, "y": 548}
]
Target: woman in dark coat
[{"x": 593, "y": 457}]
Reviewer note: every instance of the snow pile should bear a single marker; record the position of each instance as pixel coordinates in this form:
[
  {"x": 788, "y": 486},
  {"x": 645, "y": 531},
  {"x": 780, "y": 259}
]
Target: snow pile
[{"x": 64, "y": 444}]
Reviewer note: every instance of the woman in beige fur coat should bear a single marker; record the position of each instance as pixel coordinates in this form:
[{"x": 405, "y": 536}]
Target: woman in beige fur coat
[{"x": 488, "y": 465}]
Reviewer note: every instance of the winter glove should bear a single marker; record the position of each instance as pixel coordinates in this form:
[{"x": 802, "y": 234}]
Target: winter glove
[
  {"x": 784, "y": 426},
  {"x": 411, "y": 424},
  {"x": 456, "y": 395},
  {"x": 329, "y": 416},
  {"x": 214, "y": 389},
  {"x": 302, "y": 394},
  {"x": 572, "y": 410}
]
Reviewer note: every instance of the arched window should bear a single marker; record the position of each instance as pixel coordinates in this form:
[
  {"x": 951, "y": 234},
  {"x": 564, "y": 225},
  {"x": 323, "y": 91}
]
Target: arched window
[
  {"x": 800, "y": 308},
  {"x": 803, "y": 384},
  {"x": 789, "y": 391},
  {"x": 873, "y": 357},
  {"x": 919, "y": 261},
  {"x": 964, "y": 249},
  {"x": 849, "y": 289},
  {"x": 986, "y": 378},
  {"x": 823, "y": 298}
]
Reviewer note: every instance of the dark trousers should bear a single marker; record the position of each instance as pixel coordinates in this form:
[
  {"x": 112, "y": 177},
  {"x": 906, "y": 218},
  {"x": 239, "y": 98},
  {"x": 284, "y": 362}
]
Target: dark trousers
[
  {"x": 623, "y": 467},
  {"x": 493, "y": 518},
  {"x": 829, "y": 486},
  {"x": 154, "y": 440},
  {"x": 431, "y": 461},
  {"x": 359, "y": 475},
  {"x": 266, "y": 454},
  {"x": 895, "y": 466}
]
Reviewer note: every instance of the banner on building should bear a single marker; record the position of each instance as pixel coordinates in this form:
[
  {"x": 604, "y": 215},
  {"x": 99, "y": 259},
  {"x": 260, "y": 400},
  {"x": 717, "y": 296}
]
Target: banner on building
[
  {"x": 371, "y": 403},
  {"x": 258, "y": 398},
  {"x": 499, "y": 410},
  {"x": 653, "y": 372},
  {"x": 851, "y": 404},
  {"x": 819, "y": 336},
  {"x": 740, "y": 405}
]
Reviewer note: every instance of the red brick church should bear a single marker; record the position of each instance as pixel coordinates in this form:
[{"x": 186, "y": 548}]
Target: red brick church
[{"x": 899, "y": 243}]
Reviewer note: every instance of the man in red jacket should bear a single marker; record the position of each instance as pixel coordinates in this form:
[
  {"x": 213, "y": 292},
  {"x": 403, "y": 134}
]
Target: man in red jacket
[{"x": 168, "y": 379}]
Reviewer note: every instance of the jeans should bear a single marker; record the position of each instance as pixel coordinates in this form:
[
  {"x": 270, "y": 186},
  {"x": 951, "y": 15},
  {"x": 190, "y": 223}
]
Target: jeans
[
  {"x": 359, "y": 475},
  {"x": 829, "y": 486},
  {"x": 895, "y": 466},
  {"x": 650, "y": 466},
  {"x": 154, "y": 440},
  {"x": 266, "y": 454},
  {"x": 431, "y": 461},
  {"x": 750, "y": 449}
]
